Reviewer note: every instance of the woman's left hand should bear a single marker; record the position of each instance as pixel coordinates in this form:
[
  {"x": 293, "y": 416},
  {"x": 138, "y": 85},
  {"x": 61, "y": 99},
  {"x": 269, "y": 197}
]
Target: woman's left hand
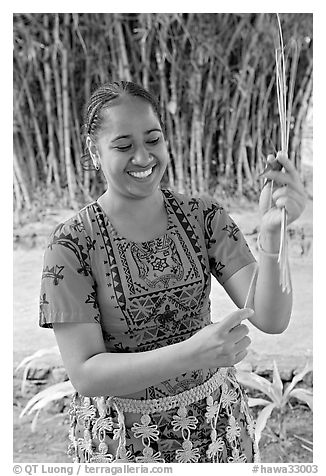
[{"x": 288, "y": 192}]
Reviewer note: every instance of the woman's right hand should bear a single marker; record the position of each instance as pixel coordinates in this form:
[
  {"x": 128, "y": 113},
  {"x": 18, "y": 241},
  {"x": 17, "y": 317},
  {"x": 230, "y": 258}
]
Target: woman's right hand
[{"x": 221, "y": 344}]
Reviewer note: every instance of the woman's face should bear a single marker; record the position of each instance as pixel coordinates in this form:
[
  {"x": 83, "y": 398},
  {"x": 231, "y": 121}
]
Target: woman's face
[{"x": 132, "y": 149}]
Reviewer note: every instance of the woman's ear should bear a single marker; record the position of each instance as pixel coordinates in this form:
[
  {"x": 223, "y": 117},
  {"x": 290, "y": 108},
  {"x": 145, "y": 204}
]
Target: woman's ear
[
  {"x": 91, "y": 146},
  {"x": 93, "y": 152}
]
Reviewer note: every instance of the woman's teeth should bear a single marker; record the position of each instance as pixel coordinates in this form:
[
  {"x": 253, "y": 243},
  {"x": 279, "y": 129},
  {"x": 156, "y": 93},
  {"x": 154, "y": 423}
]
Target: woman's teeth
[{"x": 141, "y": 174}]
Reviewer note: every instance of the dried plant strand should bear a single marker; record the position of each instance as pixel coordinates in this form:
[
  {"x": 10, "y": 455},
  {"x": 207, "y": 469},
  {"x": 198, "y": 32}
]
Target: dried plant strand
[
  {"x": 254, "y": 275},
  {"x": 284, "y": 101}
]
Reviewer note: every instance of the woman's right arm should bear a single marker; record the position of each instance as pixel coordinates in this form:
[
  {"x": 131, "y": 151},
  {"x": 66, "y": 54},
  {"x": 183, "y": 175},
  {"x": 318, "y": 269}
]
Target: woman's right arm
[{"x": 94, "y": 372}]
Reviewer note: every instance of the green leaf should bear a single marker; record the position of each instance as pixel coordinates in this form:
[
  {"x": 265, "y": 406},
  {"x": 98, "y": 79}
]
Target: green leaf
[
  {"x": 297, "y": 378},
  {"x": 34, "y": 422},
  {"x": 262, "y": 420},
  {"x": 27, "y": 363},
  {"x": 304, "y": 395},
  {"x": 277, "y": 386},
  {"x": 252, "y": 380},
  {"x": 253, "y": 402},
  {"x": 48, "y": 395},
  {"x": 38, "y": 355}
]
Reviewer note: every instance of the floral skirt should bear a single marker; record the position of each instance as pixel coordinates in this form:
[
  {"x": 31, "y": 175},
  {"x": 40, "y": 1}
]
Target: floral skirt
[{"x": 210, "y": 423}]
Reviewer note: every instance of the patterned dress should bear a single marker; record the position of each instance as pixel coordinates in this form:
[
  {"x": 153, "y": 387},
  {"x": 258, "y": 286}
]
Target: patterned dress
[{"x": 145, "y": 296}]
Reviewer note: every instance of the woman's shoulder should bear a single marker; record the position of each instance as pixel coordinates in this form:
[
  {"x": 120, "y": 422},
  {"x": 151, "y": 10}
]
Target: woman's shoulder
[
  {"x": 194, "y": 202},
  {"x": 78, "y": 225}
]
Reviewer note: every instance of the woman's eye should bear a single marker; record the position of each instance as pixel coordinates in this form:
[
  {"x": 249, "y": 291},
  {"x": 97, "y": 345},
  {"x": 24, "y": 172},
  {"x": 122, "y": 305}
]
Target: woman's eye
[
  {"x": 123, "y": 147},
  {"x": 153, "y": 141}
]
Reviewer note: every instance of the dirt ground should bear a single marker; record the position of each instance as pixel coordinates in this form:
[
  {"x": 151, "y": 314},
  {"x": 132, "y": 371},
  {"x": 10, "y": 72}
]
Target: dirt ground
[{"x": 290, "y": 350}]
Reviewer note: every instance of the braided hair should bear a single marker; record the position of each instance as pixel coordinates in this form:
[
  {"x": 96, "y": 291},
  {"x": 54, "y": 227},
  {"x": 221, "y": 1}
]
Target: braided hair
[{"x": 100, "y": 100}]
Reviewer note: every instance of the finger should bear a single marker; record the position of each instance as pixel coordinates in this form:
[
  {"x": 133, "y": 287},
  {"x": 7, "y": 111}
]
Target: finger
[
  {"x": 238, "y": 332},
  {"x": 271, "y": 164},
  {"x": 289, "y": 167},
  {"x": 240, "y": 356},
  {"x": 283, "y": 159},
  {"x": 242, "y": 344},
  {"x": 291, "y": 205},
  {"x": 235, "y": 318},
  {"x": 283, "y": 178},
  {"x": 271, "y": 158},
  {"x": 288, "y": 192}
]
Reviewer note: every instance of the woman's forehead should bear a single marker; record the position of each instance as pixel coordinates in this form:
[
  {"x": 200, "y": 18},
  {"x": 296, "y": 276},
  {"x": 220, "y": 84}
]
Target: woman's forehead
[{"x": 129, "y": 112}]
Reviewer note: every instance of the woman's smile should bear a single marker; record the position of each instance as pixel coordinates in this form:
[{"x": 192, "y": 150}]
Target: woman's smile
[{"x": 142, "y": 174}]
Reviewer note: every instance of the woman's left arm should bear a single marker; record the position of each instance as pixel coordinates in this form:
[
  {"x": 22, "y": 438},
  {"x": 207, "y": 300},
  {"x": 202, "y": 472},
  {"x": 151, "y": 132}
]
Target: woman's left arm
[{"x": 272, "y": 306}]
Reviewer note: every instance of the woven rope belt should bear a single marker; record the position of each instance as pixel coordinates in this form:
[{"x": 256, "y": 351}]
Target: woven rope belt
[{"x": 167, "y": 403}]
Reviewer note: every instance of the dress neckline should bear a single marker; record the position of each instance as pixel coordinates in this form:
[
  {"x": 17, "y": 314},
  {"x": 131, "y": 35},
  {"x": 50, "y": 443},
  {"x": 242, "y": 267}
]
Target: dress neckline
[{"x": 116, "y": 234}]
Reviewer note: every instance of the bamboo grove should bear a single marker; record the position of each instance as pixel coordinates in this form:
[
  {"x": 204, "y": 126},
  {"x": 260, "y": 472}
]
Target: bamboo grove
[{"x": 214, "y": 75}]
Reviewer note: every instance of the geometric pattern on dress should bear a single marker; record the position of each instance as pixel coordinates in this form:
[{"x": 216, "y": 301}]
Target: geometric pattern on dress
[
  {"x": 154, "y": 257},
  {"x": 159, "y": 307},
  {"x": 173, "y": 315},
  {"x": 122, "y": 248},
  {"x": 55, "y": 273},
  {"x": 194, "y": 269},
  {"x": 161, "y": 317},
  {"x": 183, "y": 220},
  {"x": 152, "y": 338},
  {"x": 107, "y": 246},
  {"x": 209, "y": 215},
  {"x": 43, "y": 303},
  {"x": 231, "y": 230},
  {"x": 216, "y": 267},
  {"x": 191, "y": 235},
  {"x": 73, "y": 245}
]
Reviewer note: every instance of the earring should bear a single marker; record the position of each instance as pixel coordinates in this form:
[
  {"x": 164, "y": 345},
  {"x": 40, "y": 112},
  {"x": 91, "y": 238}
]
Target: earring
[{"x": 96, "y": 164}]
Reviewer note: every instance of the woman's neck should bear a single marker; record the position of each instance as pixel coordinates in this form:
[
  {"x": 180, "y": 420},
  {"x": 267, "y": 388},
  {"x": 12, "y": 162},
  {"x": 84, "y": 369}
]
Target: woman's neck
[
  {"x": 116, "y": 205},
  {"x": 137, "y": 220}
]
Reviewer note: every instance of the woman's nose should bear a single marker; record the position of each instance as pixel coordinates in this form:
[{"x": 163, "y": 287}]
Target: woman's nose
[{"x": 141, "y": 157}]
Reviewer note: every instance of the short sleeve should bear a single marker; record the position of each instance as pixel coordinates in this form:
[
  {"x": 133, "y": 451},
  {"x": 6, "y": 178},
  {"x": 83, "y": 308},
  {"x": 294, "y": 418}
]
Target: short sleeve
[
  {"x": 68, "y": 290},
  {"x": 227, "y": 248}
]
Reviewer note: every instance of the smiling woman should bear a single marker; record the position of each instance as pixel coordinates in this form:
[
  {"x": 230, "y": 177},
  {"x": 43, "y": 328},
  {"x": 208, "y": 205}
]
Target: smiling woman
[
  {"x": 126, "y": 285},
  {"x": 129, "y": 145}
]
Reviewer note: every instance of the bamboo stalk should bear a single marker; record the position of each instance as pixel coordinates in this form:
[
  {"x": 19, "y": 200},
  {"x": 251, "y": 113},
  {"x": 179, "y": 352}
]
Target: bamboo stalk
[
  {"x": 58, "y": 96},
  {"x": 29, "y": 154},
  {"x": 198, "y": 124},
  {"x": 51, "y": 158},
  {"x": 37, "y": 128},
  {"x": 300, "y": 118},
  {"x": 176, "y": 98},
  {"x": 123, "y": 58},
  {"x": 192, "y": 159},
  {"x": 25, "y": 197},
  {"x": 66, "y": 115}
]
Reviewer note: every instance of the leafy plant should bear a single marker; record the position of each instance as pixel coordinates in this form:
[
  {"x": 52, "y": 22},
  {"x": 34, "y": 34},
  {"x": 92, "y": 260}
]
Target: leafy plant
[
  {"x": 278, "y": 395},
  {"x": 29, "y": 362},
  {"x": 49, "y": 395},
  {"x": 53, "y": 393}
]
